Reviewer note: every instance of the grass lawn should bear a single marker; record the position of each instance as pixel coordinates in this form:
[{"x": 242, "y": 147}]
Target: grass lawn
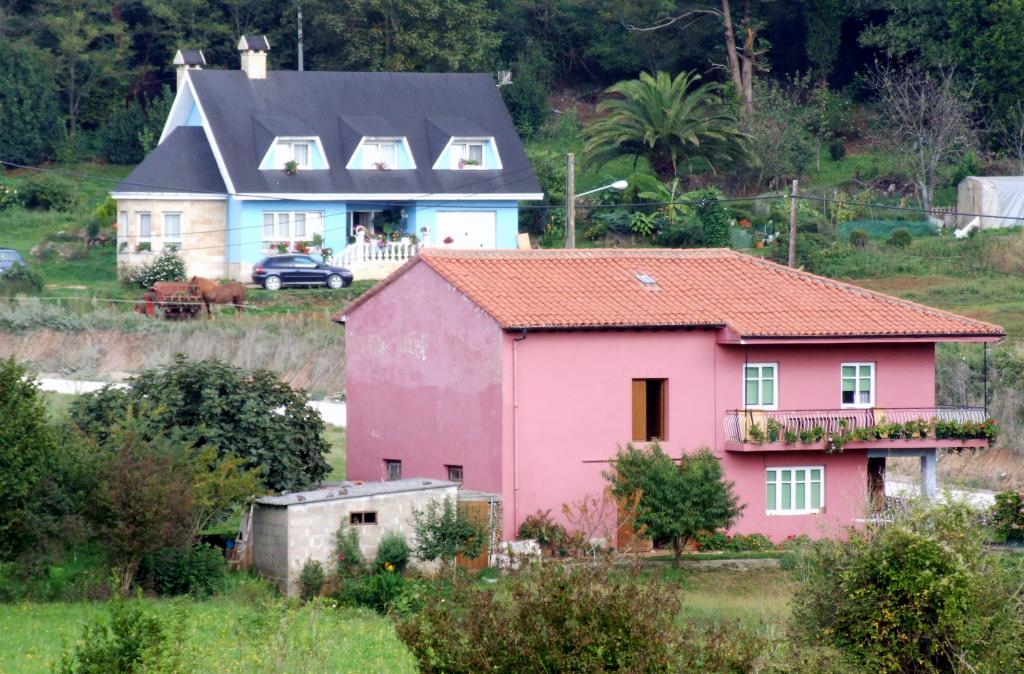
[
  {"x": 757, "y": 598},
  {"x": 247, "y": 629},
  {"x": 335, "y": 437}
]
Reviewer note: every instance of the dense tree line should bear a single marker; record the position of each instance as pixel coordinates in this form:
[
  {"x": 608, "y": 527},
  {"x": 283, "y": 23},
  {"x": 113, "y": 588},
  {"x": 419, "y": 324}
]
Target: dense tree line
[{"x": 95, "y": 65}]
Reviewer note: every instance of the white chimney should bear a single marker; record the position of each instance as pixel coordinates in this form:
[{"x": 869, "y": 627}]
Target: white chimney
[
  {"x": 188, "y": 59},
  {"x": 254, "y": 50}
]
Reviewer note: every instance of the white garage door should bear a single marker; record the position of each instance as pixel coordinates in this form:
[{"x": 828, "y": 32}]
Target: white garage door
[{"x": 467, "y": 229}]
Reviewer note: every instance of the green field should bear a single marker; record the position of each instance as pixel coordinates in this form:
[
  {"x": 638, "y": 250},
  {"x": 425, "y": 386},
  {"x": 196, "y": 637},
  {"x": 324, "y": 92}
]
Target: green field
[{"x": 248, "y": 629}]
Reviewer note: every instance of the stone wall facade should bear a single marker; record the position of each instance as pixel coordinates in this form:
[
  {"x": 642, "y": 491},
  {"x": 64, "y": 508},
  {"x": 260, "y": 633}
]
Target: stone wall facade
[
  {"x": 203, "y": 242},
  {"x": 285, "y": 537}
]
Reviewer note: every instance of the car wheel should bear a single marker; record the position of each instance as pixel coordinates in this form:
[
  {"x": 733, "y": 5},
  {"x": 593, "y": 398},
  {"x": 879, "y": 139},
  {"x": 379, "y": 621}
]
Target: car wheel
[
  {"x": 272, "y": 283},
  {"x": 334, "y": 282}
]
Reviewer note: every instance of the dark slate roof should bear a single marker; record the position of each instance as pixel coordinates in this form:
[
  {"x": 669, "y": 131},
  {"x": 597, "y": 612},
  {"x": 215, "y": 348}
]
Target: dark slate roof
[
  {"x": 182, "y": 163},
  {"x": 253, "y": 43},
  {"x": 340, "y": 108},
  {"x": 190, "y": 57}
]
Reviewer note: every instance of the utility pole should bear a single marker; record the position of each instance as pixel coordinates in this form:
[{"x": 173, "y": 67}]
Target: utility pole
[
  {"x": 792, "y": 223},
  {"x": 570, "y": 201},
  {"x": 298, "y": 22}
]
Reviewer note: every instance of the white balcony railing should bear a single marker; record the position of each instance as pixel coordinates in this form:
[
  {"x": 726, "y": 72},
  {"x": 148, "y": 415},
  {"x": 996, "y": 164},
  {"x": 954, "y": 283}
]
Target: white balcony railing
[{"x": 365, "y": 253}]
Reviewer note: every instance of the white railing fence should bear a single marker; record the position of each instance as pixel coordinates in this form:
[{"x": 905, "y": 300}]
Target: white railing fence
[{"x": 372, "y": 252}]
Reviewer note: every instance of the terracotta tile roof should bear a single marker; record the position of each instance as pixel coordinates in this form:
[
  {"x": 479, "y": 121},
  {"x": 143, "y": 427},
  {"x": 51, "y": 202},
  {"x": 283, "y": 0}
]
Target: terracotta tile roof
[{"x": 595, "y": 288}]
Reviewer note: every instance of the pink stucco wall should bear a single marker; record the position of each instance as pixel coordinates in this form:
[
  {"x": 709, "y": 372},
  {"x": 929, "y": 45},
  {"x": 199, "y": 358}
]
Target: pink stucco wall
[
  {"x": 423, "y": 382},
  {"x": 432, "y": 380},
  {"x": 573, "y": 394}
]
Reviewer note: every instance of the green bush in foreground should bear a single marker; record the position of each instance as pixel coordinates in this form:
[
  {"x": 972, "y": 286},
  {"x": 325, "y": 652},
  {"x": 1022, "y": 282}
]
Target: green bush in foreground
[
  {"x": 198, "y": 571},
  {"x": 47, "y": 192},
  {"x": 393, "y": 551},
  {"x": 128, "y": 640},
  {"x": 19, "y": 279},
  {"x": 916, "y": 595},
  {"x": 1008, "y": 517},
  {"x": 572, "y": 618}
]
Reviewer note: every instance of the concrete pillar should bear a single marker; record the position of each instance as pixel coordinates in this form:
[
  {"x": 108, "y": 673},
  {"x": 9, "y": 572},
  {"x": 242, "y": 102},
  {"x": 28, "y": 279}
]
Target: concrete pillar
[{"x": 929, "y": 474}]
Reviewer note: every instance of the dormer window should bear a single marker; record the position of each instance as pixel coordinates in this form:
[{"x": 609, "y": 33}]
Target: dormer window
[
  {"x": 468, "y": 155},
  {"x": 380, "y": 154},
  {"x": 385, "y": 153},
  {"x": 293, "y": 150}
]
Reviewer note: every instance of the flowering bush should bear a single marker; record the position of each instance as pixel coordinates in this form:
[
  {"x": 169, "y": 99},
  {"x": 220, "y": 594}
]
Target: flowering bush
[
  {"x": 9, "y": 196},
  {"x": 167, "y": 267},
  {"x": 347, "y": 552}
]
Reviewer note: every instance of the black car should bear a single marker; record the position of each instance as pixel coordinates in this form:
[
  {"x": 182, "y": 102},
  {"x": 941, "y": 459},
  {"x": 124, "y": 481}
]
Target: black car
[
  {"x": 8, "y": 258},
  {"x": 298, "y": 270}
]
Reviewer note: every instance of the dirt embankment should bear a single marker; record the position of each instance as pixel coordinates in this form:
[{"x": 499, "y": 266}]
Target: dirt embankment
[
  {"x": 995, "y": 469},
  {"x": 311, "y": 360}
]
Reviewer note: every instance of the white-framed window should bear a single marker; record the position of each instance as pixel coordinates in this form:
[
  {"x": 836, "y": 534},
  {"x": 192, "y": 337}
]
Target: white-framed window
[
  {"x": 145, "y": 225},
  {"x": 794, "y": 490},
  {"x": 291, "y": 226},
  {"x": 761, "y": 386},
  {"x": 297, "y": 150},
  {"x": 857, "y": 385},
  {"x": 122, "y": 223},
  {"x": 380, "y": 154},
  {"x": 468, "y": 154},
  {"x": 172, "y": 228}
]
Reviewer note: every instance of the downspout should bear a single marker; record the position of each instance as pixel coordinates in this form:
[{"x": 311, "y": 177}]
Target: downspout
[
  {"x": 515, "y": 448},
  {"x": 985, "y": 377}
]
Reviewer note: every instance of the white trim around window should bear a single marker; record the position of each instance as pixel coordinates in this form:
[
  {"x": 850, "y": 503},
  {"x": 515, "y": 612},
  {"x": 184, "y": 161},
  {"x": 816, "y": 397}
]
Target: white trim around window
[
  {"x": 171, "y": 230},
  {"x": 794, "y": 490},
  {"x": 388, "y": 144},
  {"x": 291, "y": 226},
  {"x": 122, "y": 223},
  {"x": 765, "y": 380},
  {"x": 286, "y": 148},
  {"x": 453, "y": 156},
  {"x": 145, "y": 220},
  {"x": 857, "y": 385}
]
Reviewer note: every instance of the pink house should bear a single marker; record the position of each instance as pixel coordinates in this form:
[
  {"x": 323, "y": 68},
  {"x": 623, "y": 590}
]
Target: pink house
[{"x": 522, "y": 372}]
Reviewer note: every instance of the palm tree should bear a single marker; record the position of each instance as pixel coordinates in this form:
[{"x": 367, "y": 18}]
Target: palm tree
[{"x": 668, "y": 120}]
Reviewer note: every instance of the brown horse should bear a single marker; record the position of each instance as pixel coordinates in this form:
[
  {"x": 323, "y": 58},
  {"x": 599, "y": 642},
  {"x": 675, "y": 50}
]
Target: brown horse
[{"x": 220, "y": 293}]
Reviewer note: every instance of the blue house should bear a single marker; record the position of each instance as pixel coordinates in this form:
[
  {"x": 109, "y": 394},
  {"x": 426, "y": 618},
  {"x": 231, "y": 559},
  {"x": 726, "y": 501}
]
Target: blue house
[{"x": 369, "y": 165}]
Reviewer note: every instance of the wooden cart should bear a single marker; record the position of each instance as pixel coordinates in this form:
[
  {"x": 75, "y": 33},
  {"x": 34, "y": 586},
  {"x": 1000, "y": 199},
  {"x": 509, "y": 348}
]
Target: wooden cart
[{"x": 171, "y": 299}]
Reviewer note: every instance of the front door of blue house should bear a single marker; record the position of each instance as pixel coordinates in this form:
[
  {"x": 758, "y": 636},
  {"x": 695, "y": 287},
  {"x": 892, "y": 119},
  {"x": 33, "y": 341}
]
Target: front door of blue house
[{"x": 362, "y": 219}]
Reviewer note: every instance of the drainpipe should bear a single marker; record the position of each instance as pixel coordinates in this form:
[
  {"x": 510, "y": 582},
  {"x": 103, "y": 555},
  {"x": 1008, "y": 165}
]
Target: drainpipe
[
  {"x": 984, "y": 394},
  {"x": 515, "y": 449}
]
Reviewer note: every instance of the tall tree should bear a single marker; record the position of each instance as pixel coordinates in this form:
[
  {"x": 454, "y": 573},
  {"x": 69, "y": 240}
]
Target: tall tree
[
  {"x": 89, "y": 48},
  {"x": 929, "y": 113},
  {"x": 428, "y": 35},
  {"x": 824, "y": 21},
  {"x": 676, "y": 502},
  {"x": 29, "y": 116},
  {"x": 674, "y": 122}
]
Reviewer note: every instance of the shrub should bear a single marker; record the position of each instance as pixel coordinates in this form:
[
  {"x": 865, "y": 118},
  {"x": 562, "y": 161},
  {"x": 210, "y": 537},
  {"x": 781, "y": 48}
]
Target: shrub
[
  {"x": 198, "y": 571},
  {"x": 837, "y": 149},
  {"x": 549, "y": 534},
  {"x": 916, "y": 595},
  {"x": 900, "y": 238},
  {"x": 168, "y": 266},
  {"x": 311, "y": 579},
  {"x": 859, "y": 238},
  {"x": 9, "y": 196},
  {"x": 713, "y": 216},
  {"x": 751, "y": 543},
  {"x": 444, "y": 531},
  {"x": 380, "y": 591},
  {"x": 393, "y": 551},
  {"x": 20, "y": 279},
  {"x": 561, "y": 618},
  {"x": 46, "y": 192},
  {"x": 129, "y": 639},
  {"x": 103, "y": 215},
  {"x": 713, "y": 541},
  {"x": 347, "y": 552},
  {"x": 1008, "y": 517},
  {"x": 72, "y": 251}
]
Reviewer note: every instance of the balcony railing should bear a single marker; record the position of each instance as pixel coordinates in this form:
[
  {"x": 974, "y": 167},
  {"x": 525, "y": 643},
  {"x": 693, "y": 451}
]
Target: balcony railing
[{"x": 738, "y": 423}]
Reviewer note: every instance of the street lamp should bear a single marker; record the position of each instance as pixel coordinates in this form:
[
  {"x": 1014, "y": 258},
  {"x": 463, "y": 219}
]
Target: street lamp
[{"x": 571, "y": 197}]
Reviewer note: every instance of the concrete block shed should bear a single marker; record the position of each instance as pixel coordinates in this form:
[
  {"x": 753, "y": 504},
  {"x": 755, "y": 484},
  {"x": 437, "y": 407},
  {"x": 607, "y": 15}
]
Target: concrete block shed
[{"x": 289, "y": 529}]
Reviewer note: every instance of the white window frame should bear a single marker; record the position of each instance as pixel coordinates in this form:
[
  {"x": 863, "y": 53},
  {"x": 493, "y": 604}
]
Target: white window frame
[
  {"x": 364, "y": 162},
  {"x": 377, "y": 144},
  {"x": 138, "y": 220},
  {"x": 288, "y": 155},
  {"x": 760, "y": 378},
  {"x": 465, "y": 143},
  {"x": 856, "y": 405},
  {"x": 163, "y": 230},
  {"x": 122, "y": 223},
  {"x": 775, "y": 509},
  {"x": 314, "y": 224}
]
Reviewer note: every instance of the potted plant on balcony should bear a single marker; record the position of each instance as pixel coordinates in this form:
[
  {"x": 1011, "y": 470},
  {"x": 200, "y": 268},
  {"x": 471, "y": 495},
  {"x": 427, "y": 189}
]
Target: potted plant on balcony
[
  {"x": 380, "y": 165},
  {"x": 144, "y": 247},
  {"x": 291, "y": 167},
  {"x": 282, "y": 247},
  {"x": 774, "y": 430}
]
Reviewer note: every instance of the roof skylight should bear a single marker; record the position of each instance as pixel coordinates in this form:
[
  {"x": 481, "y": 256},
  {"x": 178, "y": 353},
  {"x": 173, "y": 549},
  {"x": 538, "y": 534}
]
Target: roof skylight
[{"x": 646, "y": 279}]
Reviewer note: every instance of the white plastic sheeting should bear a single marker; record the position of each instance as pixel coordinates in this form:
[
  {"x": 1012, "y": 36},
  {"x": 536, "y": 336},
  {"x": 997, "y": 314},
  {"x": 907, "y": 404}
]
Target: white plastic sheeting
[{"x": 993, "y": 202}]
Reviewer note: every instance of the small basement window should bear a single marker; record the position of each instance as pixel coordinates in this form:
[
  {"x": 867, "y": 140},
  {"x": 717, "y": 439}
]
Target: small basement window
[
  {"x": 362, "y": 518},
  {"x": 393, "y": 469},
  {"x": 649, "y": 409},
  {"x": 455, "y": 474}
]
